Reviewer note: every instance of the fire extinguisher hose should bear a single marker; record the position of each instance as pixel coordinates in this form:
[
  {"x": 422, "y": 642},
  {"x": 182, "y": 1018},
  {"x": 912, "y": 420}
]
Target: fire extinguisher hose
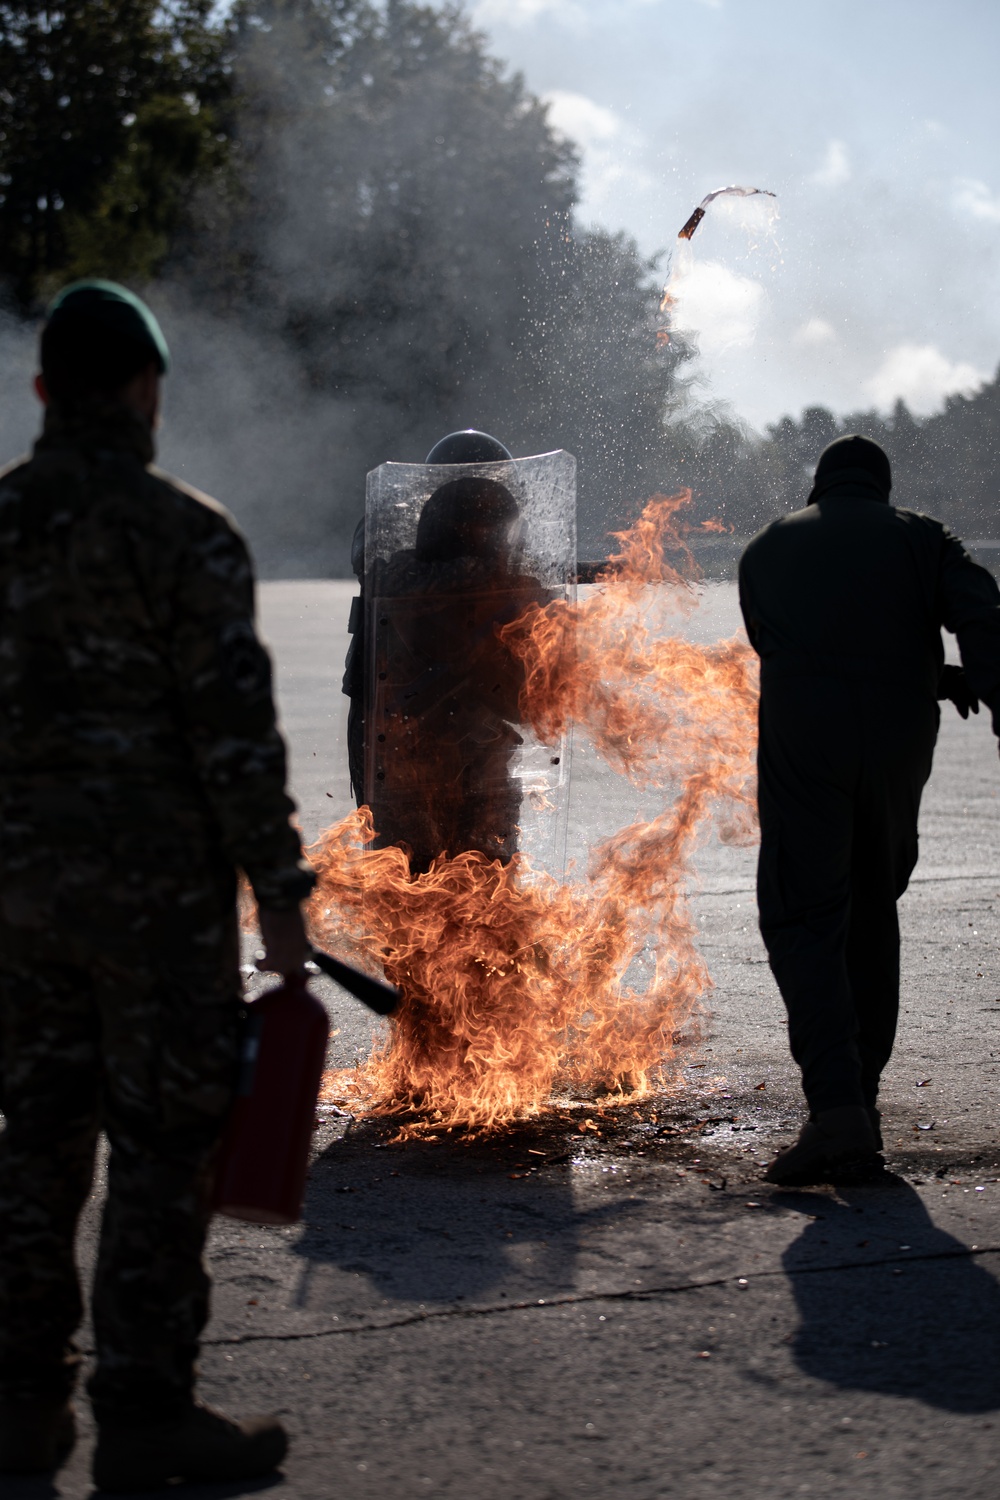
[{"x": 375, "y": 993}]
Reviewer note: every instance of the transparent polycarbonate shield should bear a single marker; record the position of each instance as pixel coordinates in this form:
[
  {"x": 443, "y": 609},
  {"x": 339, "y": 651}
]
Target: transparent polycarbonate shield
[{"x": 453, "y": 552}]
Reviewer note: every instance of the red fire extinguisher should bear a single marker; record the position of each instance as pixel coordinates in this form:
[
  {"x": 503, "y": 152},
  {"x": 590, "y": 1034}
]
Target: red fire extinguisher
[{"x": 261, "y": 1171}]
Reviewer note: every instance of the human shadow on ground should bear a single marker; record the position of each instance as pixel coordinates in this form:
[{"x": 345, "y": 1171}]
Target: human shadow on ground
[
  {"x": 439, "y": 1222},
  {"x": 891, "y": 1303}
]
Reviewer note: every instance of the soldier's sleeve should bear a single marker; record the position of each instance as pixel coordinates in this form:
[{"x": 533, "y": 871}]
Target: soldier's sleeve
[
  {"x": 969, "y": 602},
  {"x": 224, "y": 683}
]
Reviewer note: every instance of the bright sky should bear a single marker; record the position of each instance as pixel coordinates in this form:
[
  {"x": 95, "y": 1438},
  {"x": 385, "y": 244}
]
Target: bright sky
[{"x": 877, "y": 123}]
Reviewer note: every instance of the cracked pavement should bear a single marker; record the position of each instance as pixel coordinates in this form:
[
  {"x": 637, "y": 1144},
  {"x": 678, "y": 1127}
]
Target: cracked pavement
[{"x": 613, "y": 1302}]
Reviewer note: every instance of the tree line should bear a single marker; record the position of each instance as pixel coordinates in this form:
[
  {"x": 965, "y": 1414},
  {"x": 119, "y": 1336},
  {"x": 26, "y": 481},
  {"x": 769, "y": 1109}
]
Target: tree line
[
  {"x": 947, "y": 464},
  {"x": 366, "y": 188}
]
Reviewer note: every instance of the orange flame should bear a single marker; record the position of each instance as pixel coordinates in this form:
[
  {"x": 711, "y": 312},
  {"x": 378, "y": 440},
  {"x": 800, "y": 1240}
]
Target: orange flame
[{"x": 517, "y": 986}]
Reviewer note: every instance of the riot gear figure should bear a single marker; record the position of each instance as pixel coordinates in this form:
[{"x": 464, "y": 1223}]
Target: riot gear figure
[
  {"x": 468, "y": 446},
  {"x": 434, "y": 746}
]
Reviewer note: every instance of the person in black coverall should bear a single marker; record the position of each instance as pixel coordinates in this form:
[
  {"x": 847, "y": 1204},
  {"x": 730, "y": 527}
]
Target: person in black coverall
[{"x": 844, "y": 602}]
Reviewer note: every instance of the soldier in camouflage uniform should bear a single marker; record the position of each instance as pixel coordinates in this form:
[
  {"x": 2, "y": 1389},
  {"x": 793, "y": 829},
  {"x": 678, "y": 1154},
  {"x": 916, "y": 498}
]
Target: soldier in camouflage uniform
[{"x": 140, "y": 769}]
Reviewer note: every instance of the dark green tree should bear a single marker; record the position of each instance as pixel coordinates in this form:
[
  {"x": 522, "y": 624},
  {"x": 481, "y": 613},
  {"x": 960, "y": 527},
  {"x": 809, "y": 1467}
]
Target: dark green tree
[
  {"x": 594, "y": 374},
  {"x": 370, "y": 195},
  {"x": 109, "y": 111},
  {"x": 399, "y": 193},
  {"x": 404, "y": 220},
  {"x": 944, "y": 464}
]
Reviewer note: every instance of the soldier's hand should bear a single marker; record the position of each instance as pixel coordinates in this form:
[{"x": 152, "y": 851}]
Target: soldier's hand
[
  {"x": 955, "y": 685},
  {"x": 286, "y": 946}
]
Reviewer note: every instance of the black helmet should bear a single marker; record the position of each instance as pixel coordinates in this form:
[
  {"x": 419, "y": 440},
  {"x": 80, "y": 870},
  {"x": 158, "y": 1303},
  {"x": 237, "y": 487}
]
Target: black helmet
[
  {"x": 468, "y": 447},
  {"x": 468, "y": 517}
]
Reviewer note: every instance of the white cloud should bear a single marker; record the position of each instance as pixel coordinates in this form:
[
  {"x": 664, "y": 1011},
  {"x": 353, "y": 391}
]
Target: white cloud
[
  {"x": 814, "y": 333},
  {"x": 526, "y": 12},
  {"x": 922, "y": 376},
  {"x": 608, "y": 143},
  {"x": 974, "y": 198},
  {"x": 836, "y": 167},
  {"x": 578, "y": 15},
  {"x": 719, "y": 306},
  {"x": 584, "y": 120}
]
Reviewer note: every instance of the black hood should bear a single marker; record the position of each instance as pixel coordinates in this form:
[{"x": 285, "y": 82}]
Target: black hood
[{"x": 856, "y": 461}]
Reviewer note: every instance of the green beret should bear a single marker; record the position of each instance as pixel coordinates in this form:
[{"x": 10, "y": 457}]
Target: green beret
[{"x": 106, "y": 305}]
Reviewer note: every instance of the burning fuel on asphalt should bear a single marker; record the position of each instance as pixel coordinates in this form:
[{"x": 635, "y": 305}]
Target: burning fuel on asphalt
[{"x": 516, "y": 983}]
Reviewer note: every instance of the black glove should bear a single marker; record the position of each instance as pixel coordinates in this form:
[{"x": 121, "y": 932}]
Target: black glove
[{"x": 954, "y": 684}]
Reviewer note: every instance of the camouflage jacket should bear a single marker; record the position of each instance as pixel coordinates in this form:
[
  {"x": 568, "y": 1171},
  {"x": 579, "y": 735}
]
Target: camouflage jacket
[{"x": 135, "y": 696}]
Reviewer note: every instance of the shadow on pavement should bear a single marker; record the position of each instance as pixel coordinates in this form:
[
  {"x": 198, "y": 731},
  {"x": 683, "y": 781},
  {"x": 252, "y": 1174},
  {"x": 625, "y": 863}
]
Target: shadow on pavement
[
  {"x": 13, "y": 1487},
  {"x": 44, "y": 1488},
  {"x": 442, "y": 1222},
  {"x": 921, "y": 1321},
  {"x": 229, "y": 1490}
]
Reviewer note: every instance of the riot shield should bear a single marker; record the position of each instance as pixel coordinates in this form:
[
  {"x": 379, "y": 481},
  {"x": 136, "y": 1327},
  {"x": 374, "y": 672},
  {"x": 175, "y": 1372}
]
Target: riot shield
[{"x": 452, "y": 553}]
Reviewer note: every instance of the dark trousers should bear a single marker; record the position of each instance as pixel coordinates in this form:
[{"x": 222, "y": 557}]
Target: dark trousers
[
  {"x": 145, "y": 1048},
  {"x": 842, "y": 766}
]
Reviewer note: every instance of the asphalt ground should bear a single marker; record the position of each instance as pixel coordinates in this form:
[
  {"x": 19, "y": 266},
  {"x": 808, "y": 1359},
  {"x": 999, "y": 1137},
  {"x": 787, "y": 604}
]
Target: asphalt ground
[{"x": 613, "y": 1302}]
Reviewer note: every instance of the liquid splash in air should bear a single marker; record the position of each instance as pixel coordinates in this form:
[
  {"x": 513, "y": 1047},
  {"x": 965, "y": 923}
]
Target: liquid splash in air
[{"x": 680, "y": 278}]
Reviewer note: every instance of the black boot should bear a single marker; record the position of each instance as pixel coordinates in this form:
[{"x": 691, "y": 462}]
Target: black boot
[
  {"x": 839, "y": 1145},
  {"x": 195, "y": 1444},
  {"x": 36, "y": 1437}
]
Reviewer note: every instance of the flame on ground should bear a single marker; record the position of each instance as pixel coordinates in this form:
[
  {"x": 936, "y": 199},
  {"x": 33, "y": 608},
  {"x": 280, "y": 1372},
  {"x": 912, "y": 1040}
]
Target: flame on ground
[{"x": 518, "y": 986}]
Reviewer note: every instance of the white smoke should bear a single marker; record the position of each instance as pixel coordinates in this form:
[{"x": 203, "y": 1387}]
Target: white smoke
[
  {"x": 240, "y": 423},
  {"x": 20, "y": 413},
  {"x": 719, "y": 307}
]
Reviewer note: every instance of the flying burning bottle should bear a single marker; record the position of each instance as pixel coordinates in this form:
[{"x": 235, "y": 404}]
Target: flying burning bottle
[{"x": 733, "y": 192}]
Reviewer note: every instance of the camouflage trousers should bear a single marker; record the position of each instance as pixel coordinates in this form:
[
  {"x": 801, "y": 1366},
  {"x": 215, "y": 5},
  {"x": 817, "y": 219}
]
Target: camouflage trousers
[{"x": 139, "y": 1039}]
